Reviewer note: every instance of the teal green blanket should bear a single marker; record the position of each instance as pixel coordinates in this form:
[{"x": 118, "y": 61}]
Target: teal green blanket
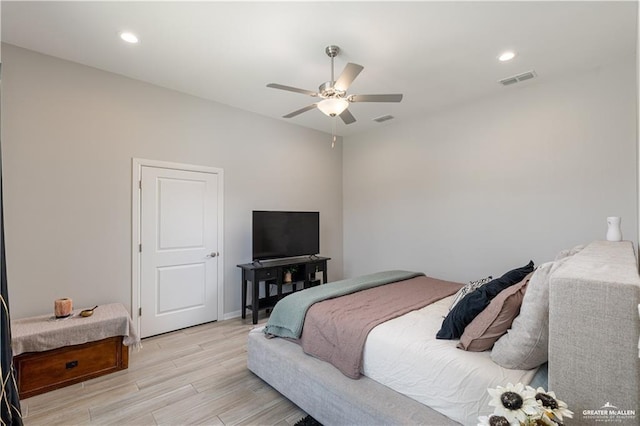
[{"x": 287, "y": 317}]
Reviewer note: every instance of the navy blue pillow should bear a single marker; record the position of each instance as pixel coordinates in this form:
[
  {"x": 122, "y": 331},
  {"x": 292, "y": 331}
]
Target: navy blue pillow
[{"x": 475, "y": 302}]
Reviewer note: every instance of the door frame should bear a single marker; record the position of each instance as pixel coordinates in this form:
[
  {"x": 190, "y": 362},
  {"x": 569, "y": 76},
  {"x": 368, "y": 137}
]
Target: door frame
[{"x": 136, "y": 201}]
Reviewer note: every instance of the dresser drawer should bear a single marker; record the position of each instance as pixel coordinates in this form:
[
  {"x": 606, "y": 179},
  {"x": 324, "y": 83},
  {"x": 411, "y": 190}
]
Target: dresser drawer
[
  {"x": 266, "y": 274},
  {"x": 40, "y": 372}
]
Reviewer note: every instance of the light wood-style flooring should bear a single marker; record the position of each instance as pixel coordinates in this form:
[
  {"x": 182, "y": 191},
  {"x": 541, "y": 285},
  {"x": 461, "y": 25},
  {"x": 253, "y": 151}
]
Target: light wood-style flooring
[{"x": 195, "y": 376}]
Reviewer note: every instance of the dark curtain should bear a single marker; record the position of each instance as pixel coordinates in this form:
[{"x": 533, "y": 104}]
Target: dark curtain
[{"x": 10, "y": 400}]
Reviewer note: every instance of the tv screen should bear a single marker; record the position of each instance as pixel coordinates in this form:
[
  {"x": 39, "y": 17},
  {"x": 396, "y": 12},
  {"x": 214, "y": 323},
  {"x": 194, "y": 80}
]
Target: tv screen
[{"x": 285, "y": 234}]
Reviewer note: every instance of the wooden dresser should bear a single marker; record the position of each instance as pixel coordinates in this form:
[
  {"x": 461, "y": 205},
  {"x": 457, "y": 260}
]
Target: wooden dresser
[
  {"x": 46, "y": 356},
  {"x": 39, "y": 372}
]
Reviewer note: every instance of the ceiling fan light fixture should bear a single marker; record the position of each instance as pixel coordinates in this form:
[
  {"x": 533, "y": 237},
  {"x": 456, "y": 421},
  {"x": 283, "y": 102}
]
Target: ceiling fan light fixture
[
  {"x": 333, "y": 106},
  {"x": 333, "y": 93}
]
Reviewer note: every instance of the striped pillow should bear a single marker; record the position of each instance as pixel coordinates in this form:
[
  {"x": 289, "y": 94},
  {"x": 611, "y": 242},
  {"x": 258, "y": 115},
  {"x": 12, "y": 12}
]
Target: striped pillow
[{"x": 473, "y": 285}]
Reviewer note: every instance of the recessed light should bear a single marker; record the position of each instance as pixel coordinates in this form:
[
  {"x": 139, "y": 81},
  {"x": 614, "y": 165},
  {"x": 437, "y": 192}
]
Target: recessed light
[
  {"x": 506, "y": 56},
  {"x": 129, "y": 37}
]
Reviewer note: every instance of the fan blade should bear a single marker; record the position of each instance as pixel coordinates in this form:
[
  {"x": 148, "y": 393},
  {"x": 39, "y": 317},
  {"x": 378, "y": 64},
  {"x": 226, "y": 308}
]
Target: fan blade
[
  {"x": 349, "y": 74},
  {"x": 375, "y": 98},
  {"x": 347, "y": 117},
  {"x": 300, "y": 111},
  {"x": 292, "y": 89}
]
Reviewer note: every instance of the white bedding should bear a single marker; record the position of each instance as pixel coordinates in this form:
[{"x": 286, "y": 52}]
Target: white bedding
[{"x": 434, "y": 372}]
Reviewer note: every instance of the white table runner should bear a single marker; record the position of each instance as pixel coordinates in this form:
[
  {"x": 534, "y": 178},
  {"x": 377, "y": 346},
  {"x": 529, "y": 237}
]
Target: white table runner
[{"x": 41, "y": 333}]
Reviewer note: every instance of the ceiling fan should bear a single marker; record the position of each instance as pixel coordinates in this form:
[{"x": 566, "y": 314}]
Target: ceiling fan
[{"x": 335, "y": 100}]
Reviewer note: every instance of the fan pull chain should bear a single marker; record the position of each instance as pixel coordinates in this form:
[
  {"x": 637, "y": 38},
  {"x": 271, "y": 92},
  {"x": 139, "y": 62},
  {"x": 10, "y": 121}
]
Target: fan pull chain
[{"x": 333, "y": 133}]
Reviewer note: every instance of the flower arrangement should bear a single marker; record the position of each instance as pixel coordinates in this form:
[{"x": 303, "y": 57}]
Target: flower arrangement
[{"x": 519, "y": 405}]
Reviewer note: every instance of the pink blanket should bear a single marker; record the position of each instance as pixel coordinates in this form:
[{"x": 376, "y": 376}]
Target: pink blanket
[{"x": 335, "y": 330}]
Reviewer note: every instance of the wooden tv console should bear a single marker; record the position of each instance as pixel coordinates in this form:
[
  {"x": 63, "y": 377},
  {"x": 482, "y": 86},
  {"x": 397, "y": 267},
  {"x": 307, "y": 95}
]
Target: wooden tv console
[{"x": 272, "y": 272}]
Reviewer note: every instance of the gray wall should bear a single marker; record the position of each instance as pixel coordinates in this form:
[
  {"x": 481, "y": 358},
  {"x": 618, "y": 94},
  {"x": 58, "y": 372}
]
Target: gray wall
[
  {"x": 69, "y": 133},
  {"x": 485, "y": 187},
  {"x": 458, "y": 194}
]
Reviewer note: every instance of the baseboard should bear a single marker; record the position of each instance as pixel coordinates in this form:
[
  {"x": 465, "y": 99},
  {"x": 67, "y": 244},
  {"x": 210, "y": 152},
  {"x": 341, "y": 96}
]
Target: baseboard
[{"x": 231, "y": 315}]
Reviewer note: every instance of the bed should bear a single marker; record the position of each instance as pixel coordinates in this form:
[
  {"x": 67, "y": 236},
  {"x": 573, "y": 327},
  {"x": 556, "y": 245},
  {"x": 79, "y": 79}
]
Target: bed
[{"x": 407, "y": 380}]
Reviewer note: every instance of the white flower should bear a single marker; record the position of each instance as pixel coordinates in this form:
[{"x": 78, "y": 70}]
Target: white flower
[
  {"x": 514, "y": 403},
  {"x": 521, "y": 405},
  {"x": 552, "y": 408}
]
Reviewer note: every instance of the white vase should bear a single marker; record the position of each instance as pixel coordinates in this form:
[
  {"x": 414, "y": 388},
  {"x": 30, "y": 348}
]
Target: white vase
[{"x": 613, "y": 232}]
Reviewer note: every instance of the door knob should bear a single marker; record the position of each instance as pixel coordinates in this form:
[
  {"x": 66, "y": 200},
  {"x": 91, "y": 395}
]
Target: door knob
[{"x": 213, "y": 254}]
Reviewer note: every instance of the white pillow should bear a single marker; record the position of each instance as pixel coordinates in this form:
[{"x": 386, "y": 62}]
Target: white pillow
[
  {"x": 472, "y": 286},
  {"x": 526, "y": 344}
]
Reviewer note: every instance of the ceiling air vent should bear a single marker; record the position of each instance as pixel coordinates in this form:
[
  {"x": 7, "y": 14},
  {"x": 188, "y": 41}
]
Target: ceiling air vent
[
  {"x": 383, "y": 118},
  {"x": 517, "y": 78}
]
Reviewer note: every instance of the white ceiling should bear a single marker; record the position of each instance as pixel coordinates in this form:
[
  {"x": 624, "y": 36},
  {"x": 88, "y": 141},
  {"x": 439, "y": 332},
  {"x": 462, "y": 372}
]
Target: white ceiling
[{"x": 437, "y": 54}]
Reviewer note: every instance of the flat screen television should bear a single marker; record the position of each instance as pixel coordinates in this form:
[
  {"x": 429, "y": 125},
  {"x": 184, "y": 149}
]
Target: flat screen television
[{"x": 279, "y": 234}]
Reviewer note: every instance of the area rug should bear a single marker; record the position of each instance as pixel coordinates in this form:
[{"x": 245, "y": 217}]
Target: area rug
[{"x": 308, "y": 421}]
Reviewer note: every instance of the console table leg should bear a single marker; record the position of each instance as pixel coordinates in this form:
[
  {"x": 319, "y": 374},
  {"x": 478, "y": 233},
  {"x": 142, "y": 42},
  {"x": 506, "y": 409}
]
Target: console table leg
[
  {"x": 254, "y": 301},
  {"x": 243, "y": 306}
]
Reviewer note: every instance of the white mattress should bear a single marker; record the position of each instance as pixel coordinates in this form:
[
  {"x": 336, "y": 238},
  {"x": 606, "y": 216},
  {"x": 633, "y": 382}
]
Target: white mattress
[{"x": 434, "y": 372}]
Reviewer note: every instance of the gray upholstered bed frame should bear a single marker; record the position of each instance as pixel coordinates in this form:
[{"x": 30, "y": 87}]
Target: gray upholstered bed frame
[{"x": 593, "y": 353}]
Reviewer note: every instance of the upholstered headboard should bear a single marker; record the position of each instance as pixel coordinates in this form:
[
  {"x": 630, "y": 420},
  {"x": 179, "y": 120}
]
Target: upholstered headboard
[{"x": 594, "y": 330}]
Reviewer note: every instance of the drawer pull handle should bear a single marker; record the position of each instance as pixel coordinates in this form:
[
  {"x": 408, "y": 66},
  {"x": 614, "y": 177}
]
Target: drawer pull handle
[{"x": 71, "y": 364}]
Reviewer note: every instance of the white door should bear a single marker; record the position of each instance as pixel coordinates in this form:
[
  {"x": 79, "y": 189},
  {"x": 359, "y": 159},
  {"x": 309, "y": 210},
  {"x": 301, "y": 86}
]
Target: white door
[{"x": 179, "y": 252}]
